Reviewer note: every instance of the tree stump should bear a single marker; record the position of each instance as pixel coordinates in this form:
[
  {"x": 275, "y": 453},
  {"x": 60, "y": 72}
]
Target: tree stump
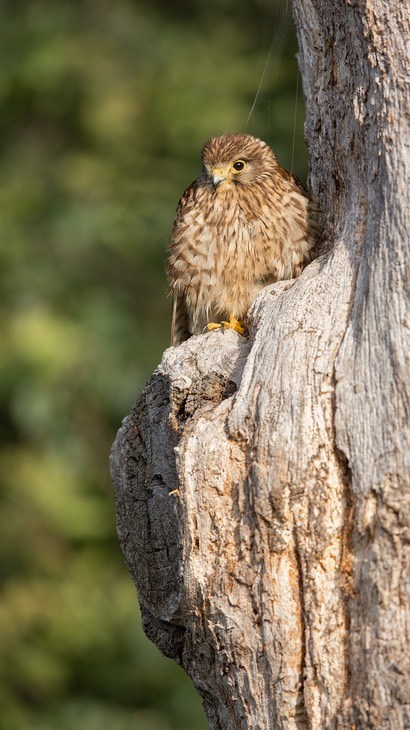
[{"x": 262, "y": 483}]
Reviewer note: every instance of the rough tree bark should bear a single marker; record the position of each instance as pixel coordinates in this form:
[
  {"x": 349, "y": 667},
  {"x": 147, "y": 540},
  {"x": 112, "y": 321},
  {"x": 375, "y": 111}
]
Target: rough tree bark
[{"x": 277, "y": 574}]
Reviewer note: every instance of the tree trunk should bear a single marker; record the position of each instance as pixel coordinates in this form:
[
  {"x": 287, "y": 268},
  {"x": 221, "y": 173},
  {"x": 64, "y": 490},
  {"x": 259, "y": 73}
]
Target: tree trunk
[{"x": 276, "y": 574}]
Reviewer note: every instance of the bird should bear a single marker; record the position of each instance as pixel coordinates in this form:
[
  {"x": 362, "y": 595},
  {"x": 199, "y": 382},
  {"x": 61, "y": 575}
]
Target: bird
[{"x": 244, "y": 223}]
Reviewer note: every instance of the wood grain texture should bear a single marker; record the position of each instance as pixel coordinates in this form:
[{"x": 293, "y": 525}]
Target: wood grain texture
[{"x": 278, "y": 576}]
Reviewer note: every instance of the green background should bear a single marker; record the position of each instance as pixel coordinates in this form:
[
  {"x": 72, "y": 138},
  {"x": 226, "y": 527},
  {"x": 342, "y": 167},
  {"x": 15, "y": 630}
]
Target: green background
[{"x": 104, "y": 109}]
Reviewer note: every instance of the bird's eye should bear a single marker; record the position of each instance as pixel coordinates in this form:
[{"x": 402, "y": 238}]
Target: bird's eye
[{"x": 239, "y": 165}]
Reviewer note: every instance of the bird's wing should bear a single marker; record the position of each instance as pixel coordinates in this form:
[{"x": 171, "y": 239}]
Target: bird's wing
[
  {"x": 292, "y": 179},
  {"x": 180, "y": 322}
]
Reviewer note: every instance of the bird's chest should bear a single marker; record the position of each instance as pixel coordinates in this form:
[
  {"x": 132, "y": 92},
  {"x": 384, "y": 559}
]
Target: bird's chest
[{"x": 226, "y": 240}]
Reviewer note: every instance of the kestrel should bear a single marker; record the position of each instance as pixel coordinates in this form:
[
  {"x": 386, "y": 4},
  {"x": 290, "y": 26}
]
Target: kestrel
[{"x": 244, "y": 223}]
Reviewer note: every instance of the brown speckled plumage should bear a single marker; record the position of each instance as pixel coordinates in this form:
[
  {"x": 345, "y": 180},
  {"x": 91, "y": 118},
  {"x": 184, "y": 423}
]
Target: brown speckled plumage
[{"x": 235, "y": 232}]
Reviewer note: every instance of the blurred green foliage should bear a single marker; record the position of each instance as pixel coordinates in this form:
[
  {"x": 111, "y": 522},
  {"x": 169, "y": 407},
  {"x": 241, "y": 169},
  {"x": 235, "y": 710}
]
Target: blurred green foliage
[{"x": 104, "y": 109}]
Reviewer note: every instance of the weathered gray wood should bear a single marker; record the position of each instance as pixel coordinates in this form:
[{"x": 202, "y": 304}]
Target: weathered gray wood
[{"x": 278, "y": 574}]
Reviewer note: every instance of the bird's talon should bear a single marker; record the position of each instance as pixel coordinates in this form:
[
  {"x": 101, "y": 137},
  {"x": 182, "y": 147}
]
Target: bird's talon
[
  {"x": 213, "y": 326},
  {"x": 236, "y": 325},
  {"x": 233, "y": 324}
]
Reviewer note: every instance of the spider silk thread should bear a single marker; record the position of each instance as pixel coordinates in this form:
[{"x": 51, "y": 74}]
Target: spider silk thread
[{"x": 276, "y": 28}]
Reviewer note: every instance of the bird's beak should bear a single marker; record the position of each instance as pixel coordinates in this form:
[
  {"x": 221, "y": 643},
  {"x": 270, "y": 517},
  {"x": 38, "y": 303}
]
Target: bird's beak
[{"x": 218, "y": 176}]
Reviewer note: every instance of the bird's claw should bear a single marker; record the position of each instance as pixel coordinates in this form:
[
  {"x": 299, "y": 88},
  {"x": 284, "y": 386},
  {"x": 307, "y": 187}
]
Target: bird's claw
[{"x": 233, "y": 324}]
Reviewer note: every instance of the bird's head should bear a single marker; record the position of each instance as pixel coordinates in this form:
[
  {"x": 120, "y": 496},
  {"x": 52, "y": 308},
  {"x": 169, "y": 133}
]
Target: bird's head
[{"x": 236, "y": 159}]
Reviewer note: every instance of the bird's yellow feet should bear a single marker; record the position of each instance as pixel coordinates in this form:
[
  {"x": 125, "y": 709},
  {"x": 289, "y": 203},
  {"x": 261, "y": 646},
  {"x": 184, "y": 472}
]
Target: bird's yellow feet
[{"x": 233, "y": 324}]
